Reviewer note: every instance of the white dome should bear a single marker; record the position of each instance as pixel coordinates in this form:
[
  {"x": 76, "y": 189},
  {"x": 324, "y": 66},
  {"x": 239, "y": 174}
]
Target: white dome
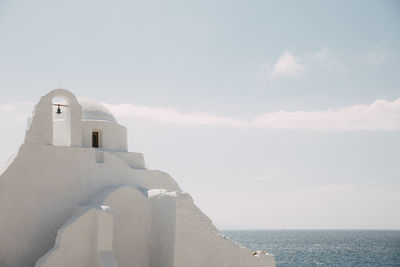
[{"x": 94, "y": 111}]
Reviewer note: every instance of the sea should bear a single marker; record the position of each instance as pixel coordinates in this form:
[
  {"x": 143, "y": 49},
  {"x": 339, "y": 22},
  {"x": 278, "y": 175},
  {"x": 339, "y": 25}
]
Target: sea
[{"x": 299, "y": 248}]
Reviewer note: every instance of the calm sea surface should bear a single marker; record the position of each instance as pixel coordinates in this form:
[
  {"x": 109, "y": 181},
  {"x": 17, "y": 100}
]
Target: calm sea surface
[{"x": 324, "y": 247}]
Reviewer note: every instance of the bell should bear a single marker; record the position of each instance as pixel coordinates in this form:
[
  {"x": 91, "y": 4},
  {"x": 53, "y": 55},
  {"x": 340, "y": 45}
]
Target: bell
[{"x": 58, "y": 112}]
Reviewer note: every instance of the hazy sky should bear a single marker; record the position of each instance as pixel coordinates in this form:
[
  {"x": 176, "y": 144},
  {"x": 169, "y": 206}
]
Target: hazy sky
[{"x": 273, "y": 115}]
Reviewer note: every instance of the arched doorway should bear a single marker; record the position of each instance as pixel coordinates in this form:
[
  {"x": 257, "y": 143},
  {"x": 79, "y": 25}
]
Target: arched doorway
[{"x": 61, "y": 121}]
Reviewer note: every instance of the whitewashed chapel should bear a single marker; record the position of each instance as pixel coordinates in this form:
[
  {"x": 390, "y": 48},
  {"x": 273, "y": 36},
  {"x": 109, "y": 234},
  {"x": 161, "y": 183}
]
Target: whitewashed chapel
[{"x": 74, "y": 196}]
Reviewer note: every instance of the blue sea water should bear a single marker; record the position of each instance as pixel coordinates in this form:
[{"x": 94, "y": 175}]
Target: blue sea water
[{"x": 324, "y": 247}]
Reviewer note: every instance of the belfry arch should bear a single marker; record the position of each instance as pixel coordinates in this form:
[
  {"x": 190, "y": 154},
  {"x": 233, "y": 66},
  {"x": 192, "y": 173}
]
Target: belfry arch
[
  {"x": 48, "y": 127},
  {"x": 61, "y": 121}
]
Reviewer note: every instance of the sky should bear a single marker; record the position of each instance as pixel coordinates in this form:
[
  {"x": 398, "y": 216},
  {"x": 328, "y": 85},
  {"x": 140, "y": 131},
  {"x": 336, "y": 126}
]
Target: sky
[{"x": 271, "y": 114}]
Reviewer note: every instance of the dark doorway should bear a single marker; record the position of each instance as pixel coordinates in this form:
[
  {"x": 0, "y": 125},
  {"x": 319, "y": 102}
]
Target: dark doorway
[{"x": 95, "y": 139}]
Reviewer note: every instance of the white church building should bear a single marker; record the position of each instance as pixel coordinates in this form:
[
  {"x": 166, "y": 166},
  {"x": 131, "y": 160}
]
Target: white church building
[{"x": 74, "y": 196}]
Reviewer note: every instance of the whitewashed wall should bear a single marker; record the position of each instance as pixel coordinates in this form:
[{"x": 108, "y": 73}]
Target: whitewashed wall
[{"x": 112, "y": 136}]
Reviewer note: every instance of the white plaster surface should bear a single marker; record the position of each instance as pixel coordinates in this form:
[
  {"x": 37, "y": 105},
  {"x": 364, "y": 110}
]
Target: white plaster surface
[
  {"x": 121, "y": 227},
  {"x": 112, "y": 136},
  {"x": 81, "y": 206},
  {"x": 94, "y": 111},
  {"x": 85, "y": 240},
  {"x": 198, "y": 243},
  {"x": 131, "y": 210}
]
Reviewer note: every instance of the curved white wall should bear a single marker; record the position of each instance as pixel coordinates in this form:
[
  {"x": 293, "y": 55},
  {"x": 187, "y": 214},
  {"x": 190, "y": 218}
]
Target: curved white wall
[{"x": 112, "y": 136}]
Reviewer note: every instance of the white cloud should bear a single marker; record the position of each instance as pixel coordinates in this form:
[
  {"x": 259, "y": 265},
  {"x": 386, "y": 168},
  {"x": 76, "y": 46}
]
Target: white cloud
[
  {"x": 287, "y": 66},
  {"x": 7, "y": 108},
  {"x": 290, "y": 65},
  {"x": 327, "y": 60},
  {"x": 171, "y": 115},
  {"x": 321, "y": 54},
  {"x": 380, "y": 115}
]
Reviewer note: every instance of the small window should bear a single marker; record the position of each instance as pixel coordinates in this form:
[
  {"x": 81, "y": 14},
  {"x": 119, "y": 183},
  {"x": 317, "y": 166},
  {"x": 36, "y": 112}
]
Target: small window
[{"x": 95, "y": 139}]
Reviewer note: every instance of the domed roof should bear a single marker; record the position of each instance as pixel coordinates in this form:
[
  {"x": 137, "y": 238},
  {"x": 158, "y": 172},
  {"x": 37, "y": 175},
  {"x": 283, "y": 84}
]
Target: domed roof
[{"x": 94, "y": 111}]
